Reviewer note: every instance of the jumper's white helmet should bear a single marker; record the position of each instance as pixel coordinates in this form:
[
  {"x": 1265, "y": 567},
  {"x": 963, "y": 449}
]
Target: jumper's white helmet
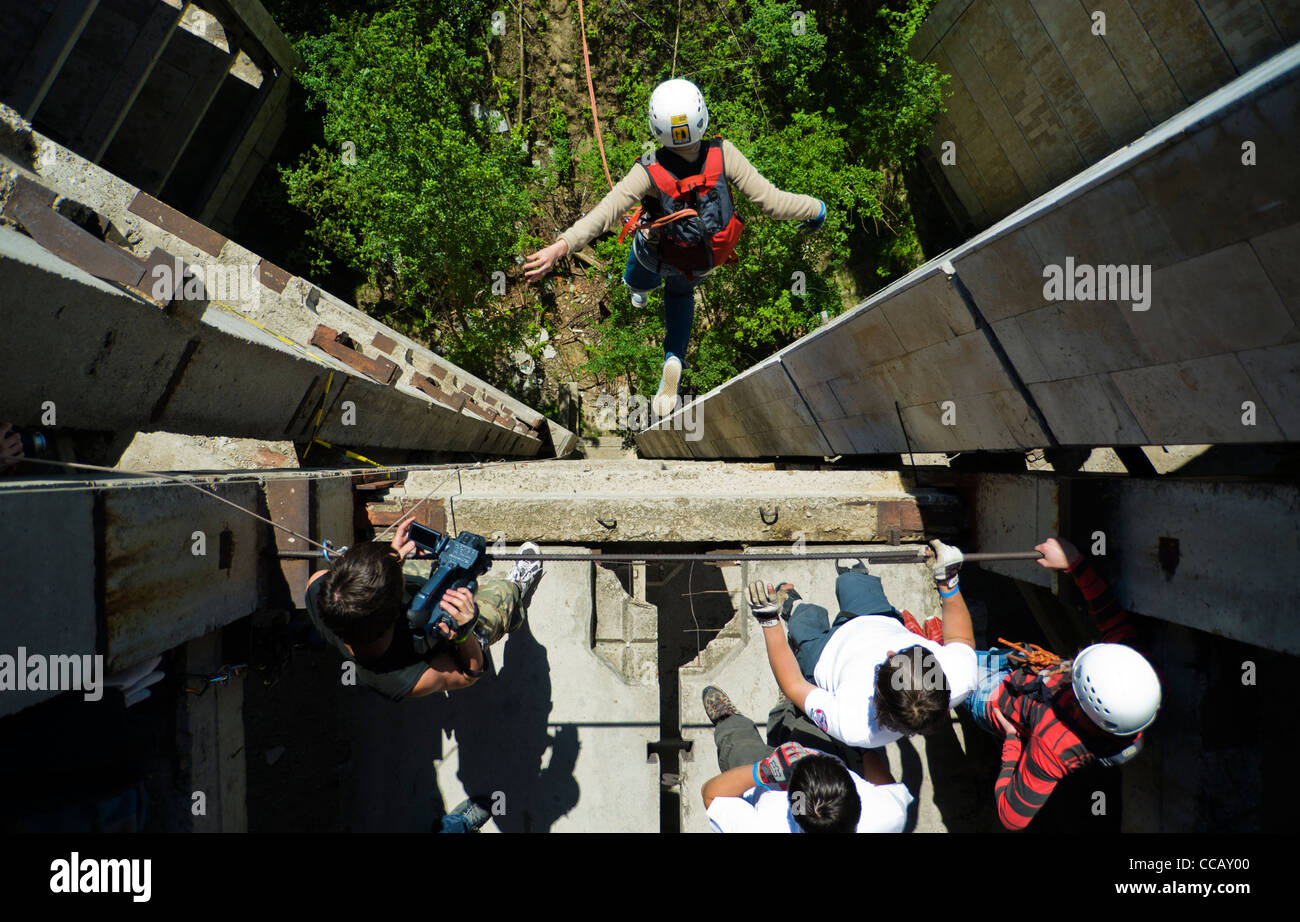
[
  {"x": 678, "y": 115},
  {"x": 1116, "y": 687}
]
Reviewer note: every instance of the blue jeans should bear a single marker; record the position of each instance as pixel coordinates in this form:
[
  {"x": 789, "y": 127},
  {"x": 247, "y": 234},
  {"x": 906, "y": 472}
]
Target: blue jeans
[
  {"x": 993, "y": 670},
  {"x": 857, "y": 593},
  {"x": 453, "y": 823},
  {"x": 679, "y": 300}
]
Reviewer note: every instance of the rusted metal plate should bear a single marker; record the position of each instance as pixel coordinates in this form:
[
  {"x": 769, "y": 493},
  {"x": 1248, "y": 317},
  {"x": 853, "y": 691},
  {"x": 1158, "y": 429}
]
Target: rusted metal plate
[
  {"x": 384, "y": 344},
  {"x": 29, "y": 205},
  {"x": 431, "y": 513},
  {"x": 381, "y": 369},
  {"x": 272, "y": 276},
  {"x": 177, "y": 565},
  {"x": 178, "y": 225},
  {"x": 160, "y": 286},
  {"x": 289, "y": 504},
  {"x": 437, "y": 394},
  {"x": 480, "y": 412}
]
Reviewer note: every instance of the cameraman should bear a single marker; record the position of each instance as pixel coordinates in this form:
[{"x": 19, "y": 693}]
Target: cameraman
[{"x": 359, "y": 605}]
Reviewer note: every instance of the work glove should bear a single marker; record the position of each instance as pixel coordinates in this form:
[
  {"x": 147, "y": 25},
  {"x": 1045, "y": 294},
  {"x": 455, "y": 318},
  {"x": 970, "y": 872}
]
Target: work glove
[
  {"x": 768, "y": 606},
  {"x": 945, "y": 564},
  {"x": 774, "y": 771},
  {"x": 812, "y": 225}
]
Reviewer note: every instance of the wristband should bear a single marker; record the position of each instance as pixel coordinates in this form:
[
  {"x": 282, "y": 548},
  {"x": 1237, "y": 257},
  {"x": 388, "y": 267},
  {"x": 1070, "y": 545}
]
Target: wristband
[{"x": 948, "y": 595}]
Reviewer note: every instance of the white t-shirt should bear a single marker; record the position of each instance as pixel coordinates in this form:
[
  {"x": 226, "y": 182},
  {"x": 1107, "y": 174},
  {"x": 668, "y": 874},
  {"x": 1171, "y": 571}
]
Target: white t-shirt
[
  {"x": 843, "y": 703},
  {"x": 884, "y": 809}
]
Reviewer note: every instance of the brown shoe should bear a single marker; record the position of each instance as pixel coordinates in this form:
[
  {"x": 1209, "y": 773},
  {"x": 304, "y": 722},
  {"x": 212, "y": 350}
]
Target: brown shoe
[{"x": 717, "y": 706}]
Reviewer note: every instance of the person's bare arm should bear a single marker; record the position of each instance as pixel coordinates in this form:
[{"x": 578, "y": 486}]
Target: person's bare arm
[
  {"x": 444, "y": 674},
  {"x": 945, "y": 563},
  {"x": 784, "y": 666},
  {"x": 957, "y": 627},
  {"x": 731, "y": 783},
  {"x": 874, "y": 767}
]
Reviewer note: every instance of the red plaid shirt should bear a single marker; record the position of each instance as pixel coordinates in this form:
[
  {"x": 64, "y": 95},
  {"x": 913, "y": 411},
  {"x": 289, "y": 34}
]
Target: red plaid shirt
[{"x": 1060, "y": 736}]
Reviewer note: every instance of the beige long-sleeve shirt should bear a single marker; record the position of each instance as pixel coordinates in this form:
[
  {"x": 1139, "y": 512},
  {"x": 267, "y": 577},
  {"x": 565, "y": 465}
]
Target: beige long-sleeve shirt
[{"x": 636, "y": 185}]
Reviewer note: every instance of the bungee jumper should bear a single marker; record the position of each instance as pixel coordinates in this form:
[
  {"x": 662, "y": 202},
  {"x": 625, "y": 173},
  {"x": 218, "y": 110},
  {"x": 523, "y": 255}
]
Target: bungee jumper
[{"x": 684, "y": 225}]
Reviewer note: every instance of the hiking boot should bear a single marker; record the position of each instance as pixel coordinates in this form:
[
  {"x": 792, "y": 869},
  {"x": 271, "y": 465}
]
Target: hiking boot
[
  {"x": 474, "y": 815},
  {"x": 665, "y": 399},
  {"x": 845, "y": 564},
  {"x": 526, "y": 573},
  {"x": 717, "y": 706}
]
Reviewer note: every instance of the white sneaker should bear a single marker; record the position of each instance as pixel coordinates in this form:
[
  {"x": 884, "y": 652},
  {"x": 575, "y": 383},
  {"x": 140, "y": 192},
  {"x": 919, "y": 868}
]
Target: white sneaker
[
  {"x": 526, "y": 572},
  {"x": 640, "y": 298},
  {"x": 665, "y": 400}
]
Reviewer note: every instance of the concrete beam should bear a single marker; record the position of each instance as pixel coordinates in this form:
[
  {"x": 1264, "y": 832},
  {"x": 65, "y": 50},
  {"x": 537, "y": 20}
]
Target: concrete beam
[
  {"x": 128, "y": 81},
  {"x": 47, "y": 56},
  {"x": 179, "y": 133},
  {"x": 273, "y": 93}
]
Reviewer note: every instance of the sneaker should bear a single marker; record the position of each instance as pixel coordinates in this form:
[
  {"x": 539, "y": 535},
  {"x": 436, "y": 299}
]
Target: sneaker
[
  {"x": 665, "y": 400},
  {"x": 526, "y": 573},
  {"x": 475, "y": 816},
  {"x": 845, "y": 564},
  {"x": 717, "y": 706},
  {"x": 640, "y": 298}
]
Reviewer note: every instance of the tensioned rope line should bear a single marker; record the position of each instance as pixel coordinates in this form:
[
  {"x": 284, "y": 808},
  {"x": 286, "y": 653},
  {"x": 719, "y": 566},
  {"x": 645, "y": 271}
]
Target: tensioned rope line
[
  {"x": 175, "y": 479},
  {"x": 860, "y": 553},
  {"x": 75, "y": 465}
]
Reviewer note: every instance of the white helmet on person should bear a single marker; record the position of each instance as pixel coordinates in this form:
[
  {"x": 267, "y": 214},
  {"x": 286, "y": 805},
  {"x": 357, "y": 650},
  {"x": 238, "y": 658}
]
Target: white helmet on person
[
  {"x": 1116, "y": 687},
  {"x": 678, "y": 114}
]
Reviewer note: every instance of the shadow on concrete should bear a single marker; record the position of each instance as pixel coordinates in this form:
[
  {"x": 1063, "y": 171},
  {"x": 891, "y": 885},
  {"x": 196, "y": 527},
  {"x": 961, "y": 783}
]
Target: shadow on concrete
[
  {"x": 912, "y": 774},
  {"x": 503, "y": 737},
  {"x": 953, "y": 781}
]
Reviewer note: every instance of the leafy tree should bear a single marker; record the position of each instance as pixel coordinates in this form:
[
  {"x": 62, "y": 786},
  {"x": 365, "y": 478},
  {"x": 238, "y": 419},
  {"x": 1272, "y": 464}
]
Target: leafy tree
[{"x": 415, "y": 184}]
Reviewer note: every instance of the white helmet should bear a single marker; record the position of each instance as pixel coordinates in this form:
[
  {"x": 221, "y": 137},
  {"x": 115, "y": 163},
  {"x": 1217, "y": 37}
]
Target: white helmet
[
  {"x": 1116, "y": 687},
  {"x": 678, "y": 115}
]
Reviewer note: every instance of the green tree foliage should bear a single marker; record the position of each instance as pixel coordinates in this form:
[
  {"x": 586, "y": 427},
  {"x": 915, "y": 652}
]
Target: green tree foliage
[
  {"x": 822, "y": 96},
  {"x": 414, "y": 185}
]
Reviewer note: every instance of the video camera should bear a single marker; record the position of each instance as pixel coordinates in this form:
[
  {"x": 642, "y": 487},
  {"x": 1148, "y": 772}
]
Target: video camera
[{"x": 460, "y": 562}]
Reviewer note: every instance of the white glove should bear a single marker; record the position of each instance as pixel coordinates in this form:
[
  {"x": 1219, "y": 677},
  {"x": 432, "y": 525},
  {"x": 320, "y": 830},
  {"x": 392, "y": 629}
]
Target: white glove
[
  {"x": 767, "y": 606},
  {"x": 945, "y": 564}
]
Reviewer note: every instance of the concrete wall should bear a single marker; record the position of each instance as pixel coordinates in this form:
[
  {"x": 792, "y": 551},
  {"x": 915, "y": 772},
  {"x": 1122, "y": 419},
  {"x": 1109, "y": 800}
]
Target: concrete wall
[
  {"x": 177, "y": 104},
  {"x": 974, "y": 353},
  {"x": 274, "y": 311},
  {"x": 1036, "y": 96},
  {"x": 116, "y": 567}
]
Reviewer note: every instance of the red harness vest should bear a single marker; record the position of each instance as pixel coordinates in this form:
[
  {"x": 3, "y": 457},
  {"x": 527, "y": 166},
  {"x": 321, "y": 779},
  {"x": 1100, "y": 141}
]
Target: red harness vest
[{"x": 695, "y": 215}]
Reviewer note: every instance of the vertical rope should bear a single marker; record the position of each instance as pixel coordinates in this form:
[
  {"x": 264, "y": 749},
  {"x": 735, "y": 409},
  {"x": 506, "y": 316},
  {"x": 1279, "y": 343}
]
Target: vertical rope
[{"x": 591, "y": 91}]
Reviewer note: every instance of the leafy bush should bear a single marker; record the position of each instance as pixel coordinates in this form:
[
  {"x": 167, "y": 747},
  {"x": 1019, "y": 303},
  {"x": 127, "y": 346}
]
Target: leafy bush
[{"x": 414, "y": 185}]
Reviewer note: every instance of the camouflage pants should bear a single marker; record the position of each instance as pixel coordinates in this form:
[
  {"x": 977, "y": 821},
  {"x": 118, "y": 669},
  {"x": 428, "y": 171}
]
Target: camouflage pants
[{"x": 499, "y": 611}]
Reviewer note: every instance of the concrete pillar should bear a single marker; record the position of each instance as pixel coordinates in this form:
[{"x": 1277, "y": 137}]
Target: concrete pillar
[
  {"x": 38, "y": 71},
  {"x": 128, "y": 80}
]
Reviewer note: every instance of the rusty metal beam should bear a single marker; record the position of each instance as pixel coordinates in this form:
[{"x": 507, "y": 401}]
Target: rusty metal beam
[
  {"x": 30, "y": 205},
  {"x": 380, "y": 369}
]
